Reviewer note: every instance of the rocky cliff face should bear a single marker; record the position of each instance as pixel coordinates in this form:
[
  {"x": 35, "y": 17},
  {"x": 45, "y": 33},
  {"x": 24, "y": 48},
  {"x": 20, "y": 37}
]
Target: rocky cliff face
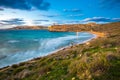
[{"x": 29, "y": 27}]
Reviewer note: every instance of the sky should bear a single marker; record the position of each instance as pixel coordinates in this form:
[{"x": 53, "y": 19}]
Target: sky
[{"x": 48, "y": 12}]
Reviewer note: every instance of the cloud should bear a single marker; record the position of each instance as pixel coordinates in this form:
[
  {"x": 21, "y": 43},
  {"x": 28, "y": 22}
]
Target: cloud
[
  {"x": 72, "y": 10},
  {"x": 25, "y": 4},
  {"x": 1, "y": 9},
  {"x": 101, "y": 19},
  {"x": 1, "y": 23},
  {"x": 34, "y": 22},
  {"x": 66, "y": 21},
  {"x": 13, "y": 12},
  {"x": 73, "y": 22},
  {"x": 117, "y": 19},
  {"x": 1, "y": 14},
  {"x": 108, "y": 4},
  {"x": 42, "y": 20},
  {"x": 87, "y": 20},
  {"x": 50, "y": 16},
  {"x": 58, "y": 15},
  {"x": 15, "y": 21},
  {"x": 75, "y": 15}
]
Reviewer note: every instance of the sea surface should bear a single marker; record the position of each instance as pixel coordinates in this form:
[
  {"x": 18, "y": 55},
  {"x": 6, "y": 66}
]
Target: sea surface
[{"x": 21, "y": 45}]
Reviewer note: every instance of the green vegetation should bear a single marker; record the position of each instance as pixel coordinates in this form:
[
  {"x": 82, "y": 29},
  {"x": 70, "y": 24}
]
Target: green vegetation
[{"x": 99, "y": 60}]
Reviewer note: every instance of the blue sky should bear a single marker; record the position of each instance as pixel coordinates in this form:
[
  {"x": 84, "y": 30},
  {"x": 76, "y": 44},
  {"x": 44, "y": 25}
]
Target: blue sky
[{"x": 46, "y": 12}]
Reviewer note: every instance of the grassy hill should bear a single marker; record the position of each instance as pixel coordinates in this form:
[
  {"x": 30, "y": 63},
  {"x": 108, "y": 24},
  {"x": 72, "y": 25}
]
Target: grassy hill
[{"x": 98, "y": 60}]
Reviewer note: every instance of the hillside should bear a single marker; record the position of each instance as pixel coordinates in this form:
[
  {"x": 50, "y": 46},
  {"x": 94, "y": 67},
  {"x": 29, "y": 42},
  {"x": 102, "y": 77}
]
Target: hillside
[
  {"x": 98, "y": 60},
  {"x": 29, "y": 27}
]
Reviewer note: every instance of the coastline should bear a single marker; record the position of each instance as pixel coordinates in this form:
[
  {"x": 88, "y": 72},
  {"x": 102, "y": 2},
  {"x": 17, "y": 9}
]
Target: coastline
[
  {"x": 50, "y": 53},
  {"x": 96, "y": 35},
  {"x": 67, "y": 47},
  {"x": 87, "y": 42}
]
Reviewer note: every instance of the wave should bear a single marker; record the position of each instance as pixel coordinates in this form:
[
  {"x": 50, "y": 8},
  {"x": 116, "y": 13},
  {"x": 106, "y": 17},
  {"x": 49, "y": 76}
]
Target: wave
[
  {"x": 13, "y": 41},
  {"x": 46, "y": 46}
]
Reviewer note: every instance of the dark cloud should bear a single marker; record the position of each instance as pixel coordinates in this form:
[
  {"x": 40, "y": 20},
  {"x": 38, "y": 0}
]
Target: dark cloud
[
  {"x": 50, "y": 16},
  {"x": 101, "y": 19},
  {"x": 25, "y": 4},
  {"x": 72, "y": 10},
  {"x": 15, "y": 21},
  {"x": 1, "y": 9},
  {"x": 1, "y": 23},
  {"x": 73, "y": 22},
  {"x": 109, "y": 4},
  {"x": 75, "y": 15},
  {"x": 67, "y": 21},
  {"x": 41, "y": 20}
]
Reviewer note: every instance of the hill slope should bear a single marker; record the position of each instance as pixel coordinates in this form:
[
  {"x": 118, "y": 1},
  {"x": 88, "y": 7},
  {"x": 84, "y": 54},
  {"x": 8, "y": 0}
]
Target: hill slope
[{"x": 29, "y": 27}]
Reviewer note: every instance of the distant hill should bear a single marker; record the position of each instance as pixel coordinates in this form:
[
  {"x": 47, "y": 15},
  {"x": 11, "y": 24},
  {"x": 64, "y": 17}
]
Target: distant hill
[{"x": 29, "y": 27}]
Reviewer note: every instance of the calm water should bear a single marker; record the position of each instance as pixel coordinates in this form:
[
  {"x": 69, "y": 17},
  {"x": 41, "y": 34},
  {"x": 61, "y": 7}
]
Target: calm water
[{"x": 22, "y": 45}]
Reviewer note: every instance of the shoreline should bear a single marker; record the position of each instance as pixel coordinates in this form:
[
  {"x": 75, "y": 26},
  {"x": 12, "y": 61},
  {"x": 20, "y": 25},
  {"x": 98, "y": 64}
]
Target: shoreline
[
  {"x": 63, "y": 48},
  {"x": 96, "y": 35}
]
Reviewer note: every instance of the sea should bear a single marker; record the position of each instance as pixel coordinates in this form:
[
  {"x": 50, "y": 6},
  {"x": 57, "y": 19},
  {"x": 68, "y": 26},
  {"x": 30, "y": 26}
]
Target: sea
[{"x": 22, "y": 45}]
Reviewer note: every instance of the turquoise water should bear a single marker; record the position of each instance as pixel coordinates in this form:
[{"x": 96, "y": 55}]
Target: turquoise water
[{"x": 22, "y": 45}]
